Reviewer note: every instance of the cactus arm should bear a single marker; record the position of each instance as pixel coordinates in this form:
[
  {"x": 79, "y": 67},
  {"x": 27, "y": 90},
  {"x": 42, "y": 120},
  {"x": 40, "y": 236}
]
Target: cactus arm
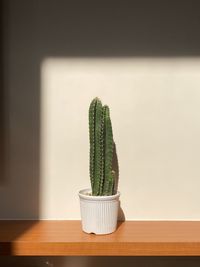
[
  {"x": 92, "y": 111},
  {"x": 98, "y": 149},
  {"x": 102, "y": 147},
  {"x": 109, "y": 177}
]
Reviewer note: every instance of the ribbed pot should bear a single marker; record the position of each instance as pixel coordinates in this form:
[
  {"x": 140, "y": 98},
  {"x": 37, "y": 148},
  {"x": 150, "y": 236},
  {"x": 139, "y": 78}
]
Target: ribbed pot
[{"x": 98, "y": 213}]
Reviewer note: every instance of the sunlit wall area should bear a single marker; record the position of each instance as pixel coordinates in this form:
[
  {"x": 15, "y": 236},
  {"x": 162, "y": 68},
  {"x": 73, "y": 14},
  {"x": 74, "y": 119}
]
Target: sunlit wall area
[{"x": 155, "y": 113}]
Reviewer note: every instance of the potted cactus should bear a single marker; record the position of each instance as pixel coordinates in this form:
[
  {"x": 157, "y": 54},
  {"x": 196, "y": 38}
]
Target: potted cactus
[{"x": 99, "y": 204}]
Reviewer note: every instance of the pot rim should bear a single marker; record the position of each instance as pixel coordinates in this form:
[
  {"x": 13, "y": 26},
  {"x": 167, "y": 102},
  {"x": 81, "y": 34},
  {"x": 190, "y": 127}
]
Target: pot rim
[{"x": 82, "y": 194}]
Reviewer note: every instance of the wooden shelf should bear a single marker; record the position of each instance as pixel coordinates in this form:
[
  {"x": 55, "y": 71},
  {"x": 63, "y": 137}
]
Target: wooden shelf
[{"x": 132, "y": 238}]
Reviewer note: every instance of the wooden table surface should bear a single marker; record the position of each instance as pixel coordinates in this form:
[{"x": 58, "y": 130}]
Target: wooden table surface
[{"x": 132, "y": 238}]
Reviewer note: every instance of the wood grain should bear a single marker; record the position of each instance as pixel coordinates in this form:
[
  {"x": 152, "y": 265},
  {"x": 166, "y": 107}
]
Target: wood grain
[{"x": 132, "y": 238}]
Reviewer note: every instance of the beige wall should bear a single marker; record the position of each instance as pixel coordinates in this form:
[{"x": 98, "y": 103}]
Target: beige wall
[{"x": 57, "y": 57}]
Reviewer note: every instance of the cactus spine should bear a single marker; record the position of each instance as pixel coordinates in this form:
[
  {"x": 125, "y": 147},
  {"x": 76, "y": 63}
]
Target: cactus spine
[{"x": 101, "y": 149}]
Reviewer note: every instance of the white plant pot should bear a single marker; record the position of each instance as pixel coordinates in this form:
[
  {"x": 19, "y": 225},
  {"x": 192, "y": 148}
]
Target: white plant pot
[{"x": 98, "y": 213}]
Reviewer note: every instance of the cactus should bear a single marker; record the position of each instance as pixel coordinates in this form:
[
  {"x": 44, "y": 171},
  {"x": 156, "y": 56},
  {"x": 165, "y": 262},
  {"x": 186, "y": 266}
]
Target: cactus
[{"x": 101, "y": 149}]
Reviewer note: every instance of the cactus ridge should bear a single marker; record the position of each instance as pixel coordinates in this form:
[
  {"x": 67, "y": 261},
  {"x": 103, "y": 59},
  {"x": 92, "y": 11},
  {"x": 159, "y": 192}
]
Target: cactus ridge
[
  {"x": 102, "y": 144},
  {"x": 101, "y": 149},
  {"x": 92, "y": 111},
  {"x": 98, "y": 148}
]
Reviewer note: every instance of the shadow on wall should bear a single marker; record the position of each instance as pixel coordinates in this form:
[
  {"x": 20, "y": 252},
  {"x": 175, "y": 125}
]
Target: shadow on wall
[
  {"x": 19, "y": 184},
  {"x": 115, "y": 168},
  {"x": 2, "y": 103},
  {"x": 115, "y": 29},
  {"x": 34, "y": 30}
]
